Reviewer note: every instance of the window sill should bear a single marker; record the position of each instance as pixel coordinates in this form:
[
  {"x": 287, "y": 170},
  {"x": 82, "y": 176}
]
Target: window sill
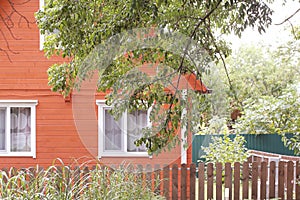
[
  {"x": 128, "y": 154},
  {"x": 18, "y": 154}
]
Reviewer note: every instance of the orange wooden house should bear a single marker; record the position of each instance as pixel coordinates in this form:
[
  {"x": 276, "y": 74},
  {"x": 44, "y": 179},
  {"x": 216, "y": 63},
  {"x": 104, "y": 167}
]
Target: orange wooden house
[{"x": 37, "y": 125}]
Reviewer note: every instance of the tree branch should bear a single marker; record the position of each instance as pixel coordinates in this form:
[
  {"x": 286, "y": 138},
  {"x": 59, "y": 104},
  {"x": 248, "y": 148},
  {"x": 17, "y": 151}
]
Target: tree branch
[
  {"x": 9, "y": 24},
  {"x": 184, "y": 55},
  {"x": 224, "y": 64},
  {"x": 287, "y": 19}
]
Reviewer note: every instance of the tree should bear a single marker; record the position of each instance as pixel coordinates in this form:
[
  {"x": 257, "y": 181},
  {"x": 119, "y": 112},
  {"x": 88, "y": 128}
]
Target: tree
[
  {"x": 260, "y": 71},
  {"x": 74, "y": 28},
  {"x": 9, "y": 12},
  {"x": 267, "y": 90}
]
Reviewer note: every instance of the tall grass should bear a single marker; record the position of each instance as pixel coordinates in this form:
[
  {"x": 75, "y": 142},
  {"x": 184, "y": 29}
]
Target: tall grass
[{"x": 65, "y": 182}]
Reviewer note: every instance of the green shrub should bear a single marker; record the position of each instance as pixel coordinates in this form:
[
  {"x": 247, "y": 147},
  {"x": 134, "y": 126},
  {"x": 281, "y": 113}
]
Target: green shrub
[{"x": 223, "y": 149}]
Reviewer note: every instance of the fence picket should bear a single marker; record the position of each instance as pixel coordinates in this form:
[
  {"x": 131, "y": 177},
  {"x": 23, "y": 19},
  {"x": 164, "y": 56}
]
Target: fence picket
[
  {"x": 139, "y": 169},
  {"x": 245, "y": 180},
  {"x": 254, "y": 180},
  {"x": 210, "y": 181},
  {"x": 166, "y": 175},
  {"x": 219, "y": 181},
  {"x": 281, "y": 180},
  {"x": 290, "y": 180},
  {"x": 228, "y": 180},
  {"x": 236, "y": 183},
  {"x": 175, "y": 182},
  {"x": 201, "y": 181},
  {"x": 183, "y": 185},
  {"x": 149, "y": 174},
  {"x": 297, "y": 176},
  {"x": 192, "y": 181},
  {"x": 157, "y": 186},
  {"x": 263, "y": 180},
  {"x": 272, "y": 173}
]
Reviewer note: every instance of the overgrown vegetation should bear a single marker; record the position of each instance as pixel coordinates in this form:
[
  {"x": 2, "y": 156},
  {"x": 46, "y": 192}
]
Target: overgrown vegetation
[
  {"x": 266, "y": 93},
  {"x": 223, "y": 149},
  {"x": 64, "y": 182}
]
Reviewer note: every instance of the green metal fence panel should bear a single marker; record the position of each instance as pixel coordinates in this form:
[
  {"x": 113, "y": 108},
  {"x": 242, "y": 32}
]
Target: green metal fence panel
[{"x": 270, "y": 143}]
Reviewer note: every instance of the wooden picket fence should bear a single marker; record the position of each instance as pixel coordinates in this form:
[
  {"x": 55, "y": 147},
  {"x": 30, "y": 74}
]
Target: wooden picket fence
[{"x": 256, "y": 180}]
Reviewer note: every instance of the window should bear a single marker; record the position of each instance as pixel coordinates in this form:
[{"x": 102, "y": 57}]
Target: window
[
  {"x": 116, "y": 137},
  {"x": 17, "y": 128}
]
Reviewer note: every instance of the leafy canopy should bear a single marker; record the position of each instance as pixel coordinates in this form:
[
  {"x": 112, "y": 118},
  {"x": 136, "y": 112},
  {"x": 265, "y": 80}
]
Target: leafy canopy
[{"x": 74, "y": 28}]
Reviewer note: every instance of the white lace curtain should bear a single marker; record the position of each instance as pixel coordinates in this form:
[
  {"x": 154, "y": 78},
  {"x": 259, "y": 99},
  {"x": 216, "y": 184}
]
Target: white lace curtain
[
  {"x": 20, "y": 129},
  {"x": 2, "y": 128},
  {"x": 113, "y": 132},
  {"x": 136, "y": 121}
]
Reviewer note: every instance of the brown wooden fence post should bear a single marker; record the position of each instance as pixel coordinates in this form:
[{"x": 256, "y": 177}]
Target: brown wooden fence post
[
  {"x": 166, "y": 175},
  {"x": 290, "y": 180},
  {"x": 192, "y": 181},
  {"x": 272, "y": 174},
  {"x": 219, "y": 181},
  {"x": 175, "y": 182},
  {"x": 139, "y": 170},
  {"x": 228, "y": 179},
  {"x": 157, "y": 177},
  {"x": 254, "y": 180},
  {"x": 297, "y": 180},
  {"x": 281, "y": 180},
  {"x": 263, "y": 180},
  {"x": 183, "y": 184},
  {"x": 149, "y": 180},
  {"x": 201, "y": 179},
  {"x": 245, "y": 180},
  {"x": 237, "y": 173},
  {"x": 210, "y": 180}
]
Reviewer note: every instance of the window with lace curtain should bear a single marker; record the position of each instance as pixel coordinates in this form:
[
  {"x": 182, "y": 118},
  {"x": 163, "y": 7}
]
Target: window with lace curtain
[
  {"x": 17, "y": 128},
  {"x": 116, "y": 137}
]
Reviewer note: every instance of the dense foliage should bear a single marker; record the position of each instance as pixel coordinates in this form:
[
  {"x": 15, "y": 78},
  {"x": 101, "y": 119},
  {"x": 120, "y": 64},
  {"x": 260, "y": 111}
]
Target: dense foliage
[
  {"x": 223, "y": 150},
  {"x": 266, "y": 85},
  {"x": 271, "y": 114}
]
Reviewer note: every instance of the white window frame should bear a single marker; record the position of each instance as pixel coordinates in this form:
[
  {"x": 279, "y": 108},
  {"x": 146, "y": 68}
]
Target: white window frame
[
  {"x": 42, "y": 36},
  {"x": 18, "y": 104},
  {"x": 101, "y": 152}
]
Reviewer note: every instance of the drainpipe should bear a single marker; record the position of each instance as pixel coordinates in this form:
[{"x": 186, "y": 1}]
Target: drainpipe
[{"x": 182, "y": 131}]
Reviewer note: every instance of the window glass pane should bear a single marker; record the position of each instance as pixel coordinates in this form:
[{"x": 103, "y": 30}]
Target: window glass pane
[
  {"x": 2, "y": 128},
  {"x": 20, "y": 129},
  {"x": 136, "y": 121},
  {"x": 113, "y": 132}
]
